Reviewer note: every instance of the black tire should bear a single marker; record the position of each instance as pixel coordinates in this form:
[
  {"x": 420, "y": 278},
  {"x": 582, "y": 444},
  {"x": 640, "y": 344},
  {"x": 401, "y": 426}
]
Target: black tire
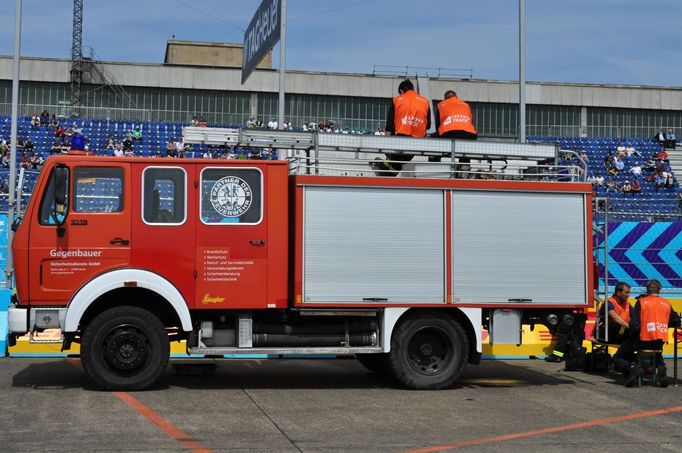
[
  {"x": 376, "y": 363},
  {"x": 125, "y": 348},
  {"x": 428, "y": 352}
]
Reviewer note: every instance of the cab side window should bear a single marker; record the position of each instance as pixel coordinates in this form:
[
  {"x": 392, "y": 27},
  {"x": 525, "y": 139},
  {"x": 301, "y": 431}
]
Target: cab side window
[
  {"x": 164, "y": 197},
  {"x": 47, "y": 207},
  {"x": 98, "y": 190}
]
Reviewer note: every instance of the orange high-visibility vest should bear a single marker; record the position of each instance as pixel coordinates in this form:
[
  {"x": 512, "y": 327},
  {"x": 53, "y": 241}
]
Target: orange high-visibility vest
[
  {"x": 622, "y": 310},
  {"x": 455, "y": 115},
  {"x": 654, "y": 316},
  {"x": 411, "y": 111}
]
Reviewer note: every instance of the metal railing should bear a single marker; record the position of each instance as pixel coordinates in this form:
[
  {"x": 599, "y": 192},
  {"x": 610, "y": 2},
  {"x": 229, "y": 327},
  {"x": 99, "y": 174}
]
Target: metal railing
[{"x": 407, "y": 71}]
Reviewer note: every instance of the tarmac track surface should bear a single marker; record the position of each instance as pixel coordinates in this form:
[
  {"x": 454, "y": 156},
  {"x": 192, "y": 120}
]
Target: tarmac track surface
[{"x": 334, "y": 406}]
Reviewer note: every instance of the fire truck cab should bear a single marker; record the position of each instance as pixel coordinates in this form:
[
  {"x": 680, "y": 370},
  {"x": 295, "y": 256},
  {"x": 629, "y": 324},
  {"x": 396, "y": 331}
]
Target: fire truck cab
[{"x": 310, "y": 254}]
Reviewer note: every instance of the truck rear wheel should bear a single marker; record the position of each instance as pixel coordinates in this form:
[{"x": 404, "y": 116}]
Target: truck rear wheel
[
  {"x": 376, "y": 363},
  {"x": 428, "y": 352},
  {"x": 125, "y": 348}
]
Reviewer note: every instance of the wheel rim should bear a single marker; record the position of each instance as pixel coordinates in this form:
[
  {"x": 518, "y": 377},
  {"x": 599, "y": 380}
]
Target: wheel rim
[
  {"x": 429, "y": 351},
  {"x": 126, "y": 349}
]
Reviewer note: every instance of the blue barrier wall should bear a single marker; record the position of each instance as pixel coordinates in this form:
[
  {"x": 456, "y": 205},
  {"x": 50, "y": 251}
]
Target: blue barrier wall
[{"x": 639, "y": 251}]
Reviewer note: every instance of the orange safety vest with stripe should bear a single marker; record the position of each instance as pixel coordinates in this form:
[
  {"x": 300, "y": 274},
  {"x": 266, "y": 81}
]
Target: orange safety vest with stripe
[
  {"x": 654, "y": 317},
  {"x": 622, "y": 310},
  {"x": 411, "y": 112},
  {"x": 455, "y": 115}
]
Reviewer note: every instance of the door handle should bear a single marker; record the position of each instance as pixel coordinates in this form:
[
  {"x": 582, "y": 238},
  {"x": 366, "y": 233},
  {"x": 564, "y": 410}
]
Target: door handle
[
  {"x": 257, "y": 242},
  {"x": 119, "y": 241}
]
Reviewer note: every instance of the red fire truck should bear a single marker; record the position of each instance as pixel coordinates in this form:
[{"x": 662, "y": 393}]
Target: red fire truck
[{"x": 309, "y": 254}]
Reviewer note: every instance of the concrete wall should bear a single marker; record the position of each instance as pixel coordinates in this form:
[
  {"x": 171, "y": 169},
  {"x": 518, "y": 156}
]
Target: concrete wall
[{"x": 361, "y": 85}]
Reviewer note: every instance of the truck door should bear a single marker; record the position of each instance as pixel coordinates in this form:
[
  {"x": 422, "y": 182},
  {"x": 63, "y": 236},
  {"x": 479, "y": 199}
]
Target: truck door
[
  {"x": 231, "y": 238},
  {"x": 163, "y": 223},
  {"x": 94, "y": 235}
]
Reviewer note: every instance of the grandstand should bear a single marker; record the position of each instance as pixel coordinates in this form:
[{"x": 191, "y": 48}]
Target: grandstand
[{"x": 652, "y": 203}]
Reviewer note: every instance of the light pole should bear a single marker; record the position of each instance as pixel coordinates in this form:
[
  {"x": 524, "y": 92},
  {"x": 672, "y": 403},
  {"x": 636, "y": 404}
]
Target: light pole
[{"x": 522, "y": 71}]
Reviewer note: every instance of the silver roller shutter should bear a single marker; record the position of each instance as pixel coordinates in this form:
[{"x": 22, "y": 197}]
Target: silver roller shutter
[
  {"x": 511, "y": 246},
  {"x": 373, "y": 244}
]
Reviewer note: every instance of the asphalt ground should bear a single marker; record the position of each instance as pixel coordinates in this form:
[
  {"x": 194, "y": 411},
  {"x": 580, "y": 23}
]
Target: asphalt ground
[{"x": 334, "y": 406}]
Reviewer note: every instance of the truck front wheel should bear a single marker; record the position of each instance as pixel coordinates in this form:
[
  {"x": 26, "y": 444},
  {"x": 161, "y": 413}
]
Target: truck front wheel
[
  {"x": 125, "y": 348},
  {"x": 428, "y": 352}
]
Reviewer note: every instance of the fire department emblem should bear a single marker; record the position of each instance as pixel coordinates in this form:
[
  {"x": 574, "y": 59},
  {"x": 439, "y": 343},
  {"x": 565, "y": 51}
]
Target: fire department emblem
[{"x": 231, "y": 196}]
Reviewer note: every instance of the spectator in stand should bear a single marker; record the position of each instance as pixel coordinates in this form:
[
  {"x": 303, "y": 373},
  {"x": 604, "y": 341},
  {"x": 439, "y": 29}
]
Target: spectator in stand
[
  {"x": 584, "y": 157},
  {"x": 619, "y": 164},
  {"x": 251, "y": 122},
  {"x": 37, "y": 161},
  {"x": 636, "y": 187},
  {"x": 137, "y": 134},
  {"x": 259, "y": 122},
  {"x": 178, "y": 146},
  {"x": 20, "y": 142},
  {"x": 671, "y": 140},
  {"x": 35, "y": 121},
  {"x": 650, "y": 164},
  {"x": 74, "y": 129},
  {"x": 662, "y": 154},
  {"x": 111, "y": 142},
  {"x": 599, "y": 180},
  {"x": 272, "y": 124},
  {"x": 25, "y": 162},
  {"x": 660, "y": 137},
  {"x": 54, "y": 122},
  {"x": 59, "y": 131},
  {"x": 608, "y": 160},
  {"x": 129, "y": 153},
  {"x": 45, "y": 118},
  {"x": 627, "y": 188},
  {"x": 660, "y": 180},
  {"x": 118, "y": 150},
  {"x": 636, "y": 170},
  {"x": 632, "y": 151},
  {"x": 5, "y": 160},
  {"x": 610, "y": 185},
  {"x": 128, "y": 144},
  {"x": 668, "y": 176},
  {"x": 194, "y": 122},
  {"x": 28, "y": 145},
  {"x": 202, "y": 122},
  {"x": 56, "y": 146},
  {"x": 620, "y": 150}
]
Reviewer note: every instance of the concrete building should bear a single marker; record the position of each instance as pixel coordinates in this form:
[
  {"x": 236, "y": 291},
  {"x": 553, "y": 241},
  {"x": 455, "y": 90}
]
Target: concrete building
[{"x": 177, "y": 92}]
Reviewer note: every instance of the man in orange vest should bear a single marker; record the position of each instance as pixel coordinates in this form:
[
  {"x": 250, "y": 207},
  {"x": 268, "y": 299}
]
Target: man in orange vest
[
  {"x": 408, "y": 115},
  {"x": 454, "y": 118},
  {"x": 650, "y": 319},
  {"x": 618, "y": 315}
]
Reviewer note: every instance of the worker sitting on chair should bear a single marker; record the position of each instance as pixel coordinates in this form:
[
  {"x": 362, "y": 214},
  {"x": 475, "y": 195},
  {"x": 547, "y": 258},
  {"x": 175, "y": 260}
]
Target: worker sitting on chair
[
  {"x": 618, "y": 316},
  {"x": 649, "y": 322}
]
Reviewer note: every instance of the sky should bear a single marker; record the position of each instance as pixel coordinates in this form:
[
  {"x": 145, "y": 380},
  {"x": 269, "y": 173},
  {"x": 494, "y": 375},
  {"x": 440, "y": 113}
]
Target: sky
[{"x": 582, "y": 41}]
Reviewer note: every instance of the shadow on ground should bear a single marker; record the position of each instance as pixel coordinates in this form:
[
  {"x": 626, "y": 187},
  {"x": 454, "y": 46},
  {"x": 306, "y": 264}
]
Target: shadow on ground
[{"x": 292, "y": 374}]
